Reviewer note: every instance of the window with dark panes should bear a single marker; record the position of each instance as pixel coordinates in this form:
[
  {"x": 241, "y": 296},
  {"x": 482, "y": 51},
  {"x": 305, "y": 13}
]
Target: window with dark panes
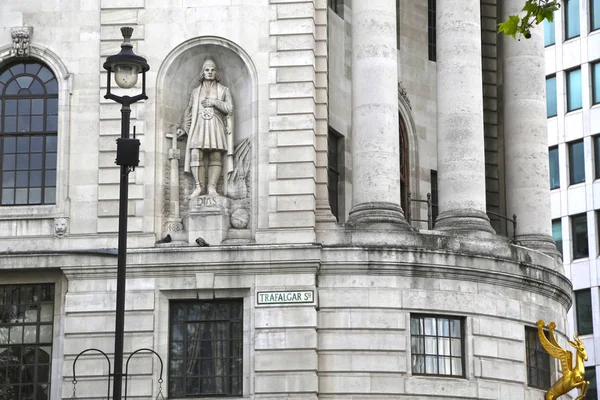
[
  {"x": 549, "y": 33},
  {"x": 205, "y": 348},
  {"x": 571, "y": 8},
  {"x": 337, "y": 6},
  {"x": 537, "y": 359},
  {"x": 596, "y": 83},
  {"x": 551, "y": 109},
  {"x": 590, "y": 376},
  {"x": 26, "y": 320},
  {"x": 594, "y": 17},
  {"x": 28, "y": 134},
  {"x": 434, "y": 195},
  {"x": 431, "y": 24},
  {"x": 557, "y": 234},
  {"x": 576, "y": 162},
  {"x": 596, "y": 142},
  {"x": 574, "y": 95},
  {"x": 583, "y": 311},
  {"x": 333, "y": 173},
  {"x": 437, "y": 344},
  {"x": 554, "y": 168},
  {"x": 579, "y": 233}
]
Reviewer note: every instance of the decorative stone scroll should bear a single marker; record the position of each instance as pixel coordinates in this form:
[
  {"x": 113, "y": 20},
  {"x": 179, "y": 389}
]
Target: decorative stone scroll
[{"x": 21, "y": 37}]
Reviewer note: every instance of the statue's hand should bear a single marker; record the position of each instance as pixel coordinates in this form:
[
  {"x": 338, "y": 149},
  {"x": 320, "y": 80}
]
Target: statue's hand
[
  {"x": 180, "y": 133},
  {"x": 207, "y": 103}
]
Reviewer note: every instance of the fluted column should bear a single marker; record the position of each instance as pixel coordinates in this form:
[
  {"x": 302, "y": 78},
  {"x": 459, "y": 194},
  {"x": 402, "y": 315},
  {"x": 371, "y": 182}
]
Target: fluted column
[
  {"x": 525, "y": 136},
  {"x": 461, "y": 162},
  {"x": 375, "y": 144}
]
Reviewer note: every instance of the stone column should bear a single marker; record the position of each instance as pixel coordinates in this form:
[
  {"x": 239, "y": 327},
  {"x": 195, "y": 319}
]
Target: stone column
[
  {"x": 525, "y": 136},
  {"x": 375, "y": 145},
  {"x": 461, "y": 162}
]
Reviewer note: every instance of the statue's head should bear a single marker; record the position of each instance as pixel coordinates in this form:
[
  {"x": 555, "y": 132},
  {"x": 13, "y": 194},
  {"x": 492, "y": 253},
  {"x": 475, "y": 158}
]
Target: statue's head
[
  {"x": 210, "y": 71},
  {"x": 579, "y": 346}
]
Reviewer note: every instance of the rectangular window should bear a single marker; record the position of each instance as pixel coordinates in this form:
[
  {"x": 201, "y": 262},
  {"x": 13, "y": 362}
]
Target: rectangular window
[
  {"x": 579, "y": 233},
  {"x": 434, "y": 195},
  {"x": 549, "y": 33},
  {"x": 205, "y": 348},
  {"x": 333, "y": 173},
  {"x": 551, "y": 96},
  {"x": 594, "y": 17},
  {"x": 574, "y": 97},
  {"x": 576, "y": 162},
  {"x": 437, "y": 344},
  {"x": 583, "y": 311},
  {"x": 557, "y": 234},
  {"x": 554, "y": 169},
  {"x": 26, "y": 322},
  {"x": 337, "y": 6},
  {"x": 431, "y": 10},
  {"x": 596, "y": 83},
  {"x": 596, "y": 141},
  {"x": 590, "y": 376},
  {"x": 571, "y": 18},
  {"x": 538, "y": 360}
]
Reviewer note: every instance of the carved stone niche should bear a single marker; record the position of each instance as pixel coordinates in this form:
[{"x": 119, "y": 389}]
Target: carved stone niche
[{"x": 230, "y": 215}]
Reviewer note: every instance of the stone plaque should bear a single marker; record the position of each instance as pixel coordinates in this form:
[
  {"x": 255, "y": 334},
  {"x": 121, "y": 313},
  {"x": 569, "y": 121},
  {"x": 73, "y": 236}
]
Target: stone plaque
[{"x": 285, "y": 297}]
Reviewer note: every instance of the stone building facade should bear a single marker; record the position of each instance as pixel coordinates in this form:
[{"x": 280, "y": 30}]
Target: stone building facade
[{"x": 321, "y": 279}]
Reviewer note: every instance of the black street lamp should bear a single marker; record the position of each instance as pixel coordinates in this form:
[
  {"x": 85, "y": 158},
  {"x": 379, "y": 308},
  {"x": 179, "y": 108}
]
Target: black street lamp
[{"x": 125, "y": 66}]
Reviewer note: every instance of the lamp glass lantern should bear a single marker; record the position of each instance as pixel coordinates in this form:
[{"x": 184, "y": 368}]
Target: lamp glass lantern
[{"x": 126, "y": 66}]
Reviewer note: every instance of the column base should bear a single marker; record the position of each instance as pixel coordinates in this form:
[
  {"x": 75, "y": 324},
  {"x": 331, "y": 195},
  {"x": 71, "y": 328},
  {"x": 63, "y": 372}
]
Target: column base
[
  {"x": 378, "y": 212},
  {"x": 464, "y": 221},
  {"x": 542, "y": 243}
]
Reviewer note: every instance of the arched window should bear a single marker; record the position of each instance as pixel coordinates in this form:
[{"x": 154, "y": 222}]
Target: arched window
[
  {"x": 28, "y": 134},
  {"x": 404, "y": 167}
]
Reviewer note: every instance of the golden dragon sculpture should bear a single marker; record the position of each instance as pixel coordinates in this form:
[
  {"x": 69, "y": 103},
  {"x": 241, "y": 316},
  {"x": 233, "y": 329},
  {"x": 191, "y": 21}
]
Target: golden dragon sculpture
[{"x": 572, "y": 377}]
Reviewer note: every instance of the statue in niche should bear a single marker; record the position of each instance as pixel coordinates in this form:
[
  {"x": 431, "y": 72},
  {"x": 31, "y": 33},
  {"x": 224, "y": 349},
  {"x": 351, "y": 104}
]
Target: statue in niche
[{"x": 208, "y": 124}]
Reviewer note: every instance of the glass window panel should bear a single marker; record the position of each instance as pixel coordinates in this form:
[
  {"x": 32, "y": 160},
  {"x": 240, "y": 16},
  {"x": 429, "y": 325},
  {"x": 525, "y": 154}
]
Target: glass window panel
[
  {"x": 10, "y": 124},
  {"x": 23, "y": 124},
  {"x": 50, "y": 179},
  {"x": 431, "y": 345},
  {"x": 549, "y": 33},
  {"x": 51, "y": 160},
  {"x": 51, "y": 124},
  {"x": 18, "y": 69},
  {"x": 177, "y": 332},
  {"x": 443, "y": 327},
  {"x": 46, "y": 312},
  {"x": 430, "y": 326},
  {"x": 416, "y": 326},
  {"x": 43, "y": 372},
  {"x": 551, "y": 109},
  {"x": 37, "y": 144},
  {"x": 444, "y": 366},
  {"x": 416, "y": 345},
  {"x": 590, "y": 376},
  {"x": 51, "y": 143},
  {"x": 177, "y": 368},
  {"x": 10, "y": 107},
  {"x": 9, "y": 162},
  {"x": 457, "y": 367},
  {"x": 22, "y": 161},
  {"x": 431, "y": 365},
  {"x": 8, "y": 196},
  {"x": 12, "y": 88},
  {"x": 444, "y": 346},
  {"x": 52, "y": 106},
  {"x": 8, "y": 179},
  {"x": 35, "y": 178},
  {"x": 557, "y": 234},
  {"x": 35, "y": 161},
  {"x": 595, "y": 14},
  {"x": 52, "y": 86},
  {"x": 37, "y": 124},
  {"x": 3, "y": 337},
  {"x": 24, "y": 107},
  {"x": 24, "y": 81},
  {"x": 30, "y": 334},
  {"x": 37, "y": 106},
  {"x": 23, "y": 145},
  {"x": 5, "y": 76},
  {"x": 455, "y": 328},
  {"x": 46, "y": 334},
  {"x": 574, "y": 96},
  {"x": 580, "y": 236},
  {"x": 49, "y": 196},
  {"x": 21, "y": 196},
  {"x": 37, "y": 88},
  {"x": 583, "y": 304},
  {"x": 10, "y": 145},
  {"x": 596, "y": 80},
  {"x": 45, "y": 75},
  {"x": 456, "y": 347},
  {"x": 24, "y": 92},
  {"x": 35, "y": 196},
  {"x": 554, "y": 169},
  {"x": 22, "y": 179},
  {"x": 15, "y": 334},
  {"x": 32, "y": 68},
  {"x": 576, "y": 162},
  {"x": 571, "y": 18},
  {"x": 44, "y": 354}
]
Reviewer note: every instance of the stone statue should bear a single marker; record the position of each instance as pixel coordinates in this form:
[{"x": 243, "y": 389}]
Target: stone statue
[{"x": 208, "y": 124}]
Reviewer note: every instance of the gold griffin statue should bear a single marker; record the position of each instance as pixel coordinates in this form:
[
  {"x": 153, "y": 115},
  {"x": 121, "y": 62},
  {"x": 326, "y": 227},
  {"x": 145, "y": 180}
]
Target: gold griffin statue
[{"x": 572, "y": 377}]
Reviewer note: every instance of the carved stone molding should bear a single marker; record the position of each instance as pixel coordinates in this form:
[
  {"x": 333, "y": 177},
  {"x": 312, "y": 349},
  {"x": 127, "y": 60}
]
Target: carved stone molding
[
  {"x": 403, "y": 94},
  {"x": 21, "y": 38}
]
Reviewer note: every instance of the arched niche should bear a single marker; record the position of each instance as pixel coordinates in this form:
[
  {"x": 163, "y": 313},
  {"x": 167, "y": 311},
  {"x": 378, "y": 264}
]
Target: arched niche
[
  {"x": 409, "y": 148},
  {"x": 178, "y": 75}
]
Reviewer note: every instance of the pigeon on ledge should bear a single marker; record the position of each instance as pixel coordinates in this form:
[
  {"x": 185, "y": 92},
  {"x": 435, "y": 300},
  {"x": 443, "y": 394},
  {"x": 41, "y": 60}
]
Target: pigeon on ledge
[{"x": 201, "y": 242}]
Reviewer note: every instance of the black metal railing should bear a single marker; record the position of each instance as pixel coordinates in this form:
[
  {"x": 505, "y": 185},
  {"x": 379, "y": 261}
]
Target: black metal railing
[
  {"x": 430, "y": 206},
  {"x": 512, "y": 220}
]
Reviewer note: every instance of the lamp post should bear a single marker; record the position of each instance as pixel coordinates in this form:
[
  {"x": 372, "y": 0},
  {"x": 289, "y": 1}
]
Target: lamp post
[{"x": 126, "y": 66}]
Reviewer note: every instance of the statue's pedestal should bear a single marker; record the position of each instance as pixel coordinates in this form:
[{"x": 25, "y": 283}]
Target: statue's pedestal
[{"x": 208, "y": 219}]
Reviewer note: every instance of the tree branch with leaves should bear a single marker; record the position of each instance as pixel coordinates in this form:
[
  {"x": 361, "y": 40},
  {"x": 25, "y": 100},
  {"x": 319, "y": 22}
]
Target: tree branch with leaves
[{"x": 536, "y": 12}]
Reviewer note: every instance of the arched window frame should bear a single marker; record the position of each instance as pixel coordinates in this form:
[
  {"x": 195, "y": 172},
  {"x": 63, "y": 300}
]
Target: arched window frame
[
  {"x": 410, "y": 151},
  {"x": 65, "y": 82}
]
